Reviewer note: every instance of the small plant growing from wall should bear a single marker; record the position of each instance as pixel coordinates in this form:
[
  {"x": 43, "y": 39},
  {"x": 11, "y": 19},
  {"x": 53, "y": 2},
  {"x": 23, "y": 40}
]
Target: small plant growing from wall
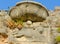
[
  {"x": 58, "y": 30},
  {"x": 18, "y": 23},
  {"x": 57, "y": 38}
]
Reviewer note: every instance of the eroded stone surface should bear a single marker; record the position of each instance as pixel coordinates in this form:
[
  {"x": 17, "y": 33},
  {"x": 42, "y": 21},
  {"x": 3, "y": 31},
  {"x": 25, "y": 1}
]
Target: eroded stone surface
[{"x": 31, "y": 32}]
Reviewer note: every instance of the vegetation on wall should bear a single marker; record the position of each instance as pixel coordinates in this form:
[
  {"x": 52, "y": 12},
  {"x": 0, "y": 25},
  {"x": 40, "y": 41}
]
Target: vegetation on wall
[
  {"x": 57, "y": 38},
  {"x": 58, "y": 30}
]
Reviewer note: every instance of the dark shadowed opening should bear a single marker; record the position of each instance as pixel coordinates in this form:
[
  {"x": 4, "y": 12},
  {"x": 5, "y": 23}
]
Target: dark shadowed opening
[{"x": 29, "y": 16}]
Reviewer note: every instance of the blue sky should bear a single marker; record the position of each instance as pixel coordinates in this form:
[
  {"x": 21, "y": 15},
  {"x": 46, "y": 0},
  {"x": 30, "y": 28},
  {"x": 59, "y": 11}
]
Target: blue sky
[{"x": 49, "y": 4}]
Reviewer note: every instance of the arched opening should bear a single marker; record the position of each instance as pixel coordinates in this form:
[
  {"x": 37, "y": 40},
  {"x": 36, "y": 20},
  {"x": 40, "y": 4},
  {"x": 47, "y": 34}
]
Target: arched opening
[
  {"x": 30, "y": 16},
  {"x": 28, "y": 11}
]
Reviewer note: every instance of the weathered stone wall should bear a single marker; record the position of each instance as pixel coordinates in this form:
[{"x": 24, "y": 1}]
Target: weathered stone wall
[{"x": 31, "y": 32}]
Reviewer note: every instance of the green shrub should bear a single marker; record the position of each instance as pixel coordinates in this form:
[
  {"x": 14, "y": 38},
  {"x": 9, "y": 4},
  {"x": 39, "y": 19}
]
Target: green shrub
[
  {"x": 58, "y": 39},
  {"x": 58, "y": 30},
  {"x": 18, "y": 21}
]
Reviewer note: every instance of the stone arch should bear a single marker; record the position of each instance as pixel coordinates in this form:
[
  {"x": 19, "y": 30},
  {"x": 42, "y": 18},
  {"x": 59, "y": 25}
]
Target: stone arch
[{"x": 37, "y": 11}]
